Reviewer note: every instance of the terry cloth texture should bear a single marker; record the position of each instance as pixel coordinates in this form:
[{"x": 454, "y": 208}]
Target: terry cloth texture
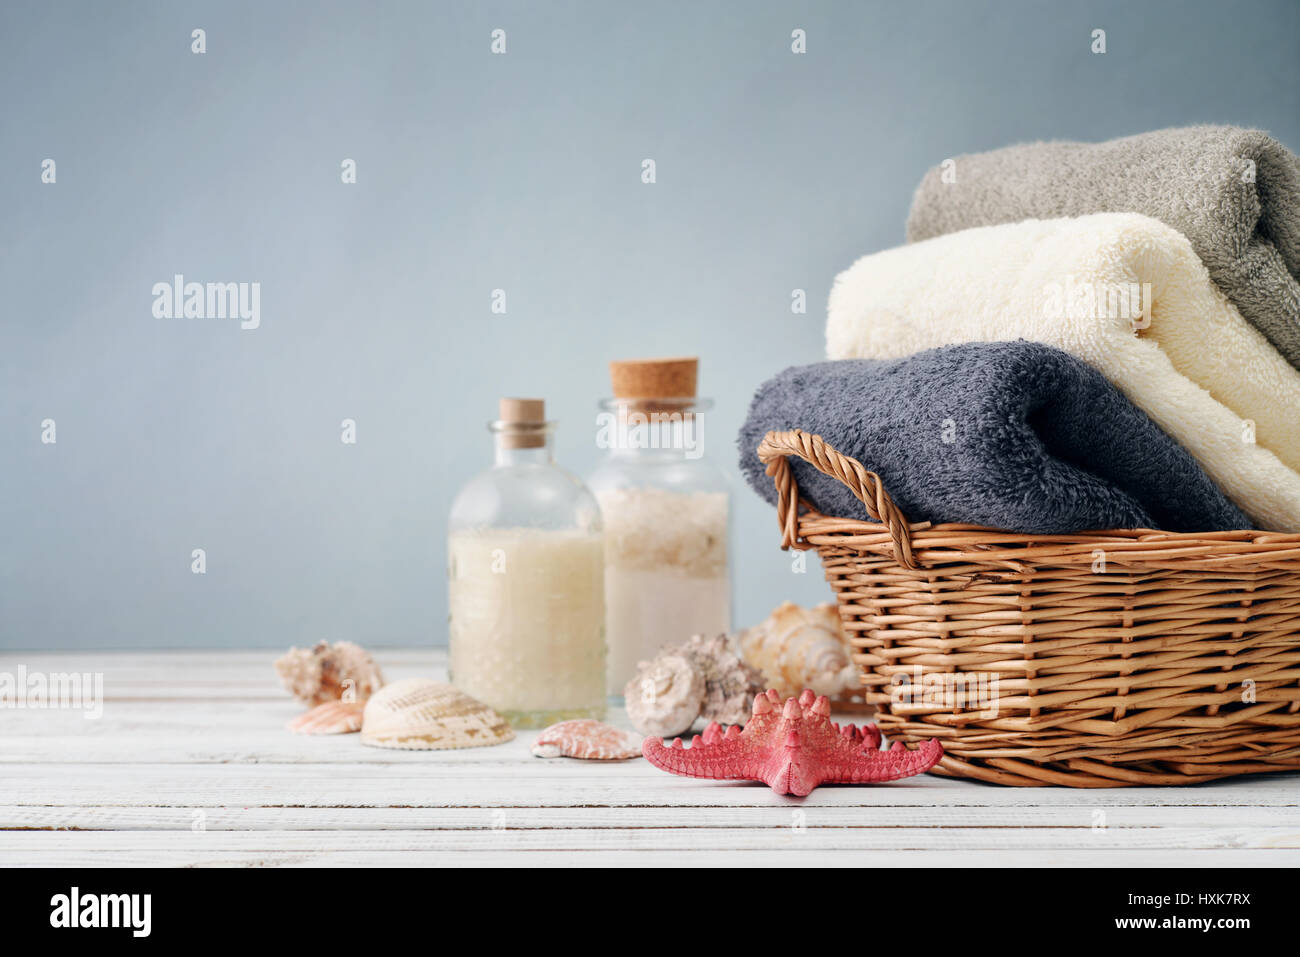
[
  {"x": 1234, "y": 193},
  {"x": 1010, "y": 435},
  {"x": 1177, "y": 348}
]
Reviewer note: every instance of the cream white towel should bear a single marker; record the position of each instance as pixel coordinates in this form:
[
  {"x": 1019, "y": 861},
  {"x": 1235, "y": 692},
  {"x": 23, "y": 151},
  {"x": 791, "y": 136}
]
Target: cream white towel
[{"x": 1126, "y": 294}]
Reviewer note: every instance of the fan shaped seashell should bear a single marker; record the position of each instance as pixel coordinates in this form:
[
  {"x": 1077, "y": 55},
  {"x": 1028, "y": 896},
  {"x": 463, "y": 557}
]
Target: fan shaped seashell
[
  {"x": 798, "y": 648},
  {"x": 589, "y": 739},
  {"x": 329, "y": 673},
  {"x": 420, "y": 714},
  {"x": 665, "y": 695},
  {"x": 332, "y": 717}
]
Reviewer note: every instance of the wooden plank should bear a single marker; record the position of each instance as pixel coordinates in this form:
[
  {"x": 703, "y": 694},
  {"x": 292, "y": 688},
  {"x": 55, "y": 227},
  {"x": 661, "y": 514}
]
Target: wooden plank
[
  {"x": 173, "y": 718},
  {"x": 163, "y": 718},
  {"x": 202, "y": 675},
  {"x": 138, "y": 719},
  {"x": 157, "y": 818},
  {"x": 650, "y": 857},
  {"x": 276, "y": 746},
  {"x": 247, "y": 660},
  {"x": 556, "y": 783},
  {"x": 837, "y": 839}
]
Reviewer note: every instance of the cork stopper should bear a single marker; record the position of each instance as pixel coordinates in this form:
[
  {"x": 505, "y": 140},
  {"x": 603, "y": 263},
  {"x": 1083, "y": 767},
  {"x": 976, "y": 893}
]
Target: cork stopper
[
  {"x": 522, "y": 423},
  {"x": 654, "y": 378}
]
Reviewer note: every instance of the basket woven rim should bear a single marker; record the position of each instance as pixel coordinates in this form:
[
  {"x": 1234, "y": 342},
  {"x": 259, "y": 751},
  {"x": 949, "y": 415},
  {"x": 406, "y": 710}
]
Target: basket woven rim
[
  {"x": 946, "y": 543},
  {"x": 914, "y": 544}
]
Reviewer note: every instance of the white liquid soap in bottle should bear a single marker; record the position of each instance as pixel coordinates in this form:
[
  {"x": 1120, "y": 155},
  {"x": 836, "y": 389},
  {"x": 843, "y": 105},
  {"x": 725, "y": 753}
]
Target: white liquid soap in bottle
[{"x": 526, "y": 580}]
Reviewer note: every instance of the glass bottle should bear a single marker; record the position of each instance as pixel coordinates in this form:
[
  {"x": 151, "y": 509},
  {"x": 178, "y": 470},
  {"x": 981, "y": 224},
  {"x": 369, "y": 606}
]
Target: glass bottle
[
  {"x": 666, "y": 509},
  {"x": 526, "y": 574}
]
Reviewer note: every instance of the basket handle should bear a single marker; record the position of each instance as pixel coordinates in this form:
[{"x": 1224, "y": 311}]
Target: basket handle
[{"x": 774, "y": 452}]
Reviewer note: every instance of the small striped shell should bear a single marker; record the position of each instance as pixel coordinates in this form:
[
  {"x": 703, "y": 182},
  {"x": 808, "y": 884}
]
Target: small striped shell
[
  {"x": 585, "y": 738},
  {"x": 419, "y": 714},
  {"x": 332, "y": 717}
]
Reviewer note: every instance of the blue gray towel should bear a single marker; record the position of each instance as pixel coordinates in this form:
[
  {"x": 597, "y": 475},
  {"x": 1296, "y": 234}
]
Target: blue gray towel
[{"x": 1011, "y": 435}]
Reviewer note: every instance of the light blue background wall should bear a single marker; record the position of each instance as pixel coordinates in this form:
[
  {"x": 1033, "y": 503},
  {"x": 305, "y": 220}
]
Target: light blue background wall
[{"x": 475, "y": 172}]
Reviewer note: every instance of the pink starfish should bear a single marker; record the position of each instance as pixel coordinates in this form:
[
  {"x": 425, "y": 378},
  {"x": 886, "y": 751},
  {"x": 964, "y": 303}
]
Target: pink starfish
[{"x": 792, "y": 749}]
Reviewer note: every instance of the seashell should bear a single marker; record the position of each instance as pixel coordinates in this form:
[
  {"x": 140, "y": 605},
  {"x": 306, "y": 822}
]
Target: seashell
[
  {"x": 585, "y": 738},
  {"x": 420, "y": 714},
  {"x": 801, "y": 648},
  {"x": 329, "y": 673},
  {"x": 332, "y": 717},
  {"x": 665, "y": 695},
  {"x": 729, "y": 683}
]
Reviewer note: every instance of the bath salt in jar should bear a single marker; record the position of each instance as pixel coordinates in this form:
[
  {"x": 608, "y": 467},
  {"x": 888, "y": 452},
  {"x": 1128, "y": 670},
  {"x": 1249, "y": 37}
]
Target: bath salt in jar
[
  {"x": 526, "y": 581},
  {"x": 666, "y": 509}
]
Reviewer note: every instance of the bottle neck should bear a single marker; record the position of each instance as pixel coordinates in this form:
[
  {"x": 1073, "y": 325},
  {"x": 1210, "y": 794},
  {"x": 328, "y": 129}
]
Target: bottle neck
[
  {"x": 508, "y": 452},
  {"x": 653, "y": 436}
]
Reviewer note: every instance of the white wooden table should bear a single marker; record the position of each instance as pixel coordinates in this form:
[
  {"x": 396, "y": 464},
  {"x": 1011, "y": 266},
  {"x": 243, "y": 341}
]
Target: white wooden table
[{"x": 190, "y": 765}]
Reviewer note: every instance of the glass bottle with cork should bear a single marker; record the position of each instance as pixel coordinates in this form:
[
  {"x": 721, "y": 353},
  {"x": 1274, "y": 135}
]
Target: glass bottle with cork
[
  {"x": 526, "y": 580},
  {"x": 666, "y": 510}
]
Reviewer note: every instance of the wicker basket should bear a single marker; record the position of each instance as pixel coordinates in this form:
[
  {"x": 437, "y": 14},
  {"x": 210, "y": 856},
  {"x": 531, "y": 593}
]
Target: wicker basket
[{"x": 1104, "y": 659}]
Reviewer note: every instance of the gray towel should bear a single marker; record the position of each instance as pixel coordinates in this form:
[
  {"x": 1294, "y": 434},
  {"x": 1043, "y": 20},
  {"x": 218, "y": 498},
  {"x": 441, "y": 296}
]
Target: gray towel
[
  {"x": 1010, "y": 435},
  {"x": 1234, "y": 193}
]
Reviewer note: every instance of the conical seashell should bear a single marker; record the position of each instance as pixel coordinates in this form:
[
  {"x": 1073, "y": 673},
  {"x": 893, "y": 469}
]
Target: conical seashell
[
  {"x": 332, "y": 717},
  {"x": 420, "y": 714},
  {"x": 729, "y": 683},
  {"x": 665, "y": 695},
  {"x": 329, "y": 673},
  {"x": 798, "y": 648},
  {"x": 585, "y": 738}
]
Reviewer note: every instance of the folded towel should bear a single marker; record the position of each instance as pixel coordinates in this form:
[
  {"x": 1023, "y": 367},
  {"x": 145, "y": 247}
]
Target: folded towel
[
  {"x": 1234, "y": 193},
  {"x": 1190, "y": 362},
  {"x": 1011, "y": 435}
]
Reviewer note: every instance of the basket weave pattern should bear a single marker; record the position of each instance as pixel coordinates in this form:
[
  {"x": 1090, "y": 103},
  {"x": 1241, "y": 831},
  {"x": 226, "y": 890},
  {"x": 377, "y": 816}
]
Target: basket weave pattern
[{"x": 1102, "y": 659}]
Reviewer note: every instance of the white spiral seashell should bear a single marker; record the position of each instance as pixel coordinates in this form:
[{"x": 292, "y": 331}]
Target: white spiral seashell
[
  {"x": 797, "y": 648},
  {"x": 665, "y": 696}
]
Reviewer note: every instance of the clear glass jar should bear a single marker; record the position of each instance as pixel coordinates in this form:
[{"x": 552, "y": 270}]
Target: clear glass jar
[
  {"x": 526, "y": 584},
  {"x": 666, "y": 509}
]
